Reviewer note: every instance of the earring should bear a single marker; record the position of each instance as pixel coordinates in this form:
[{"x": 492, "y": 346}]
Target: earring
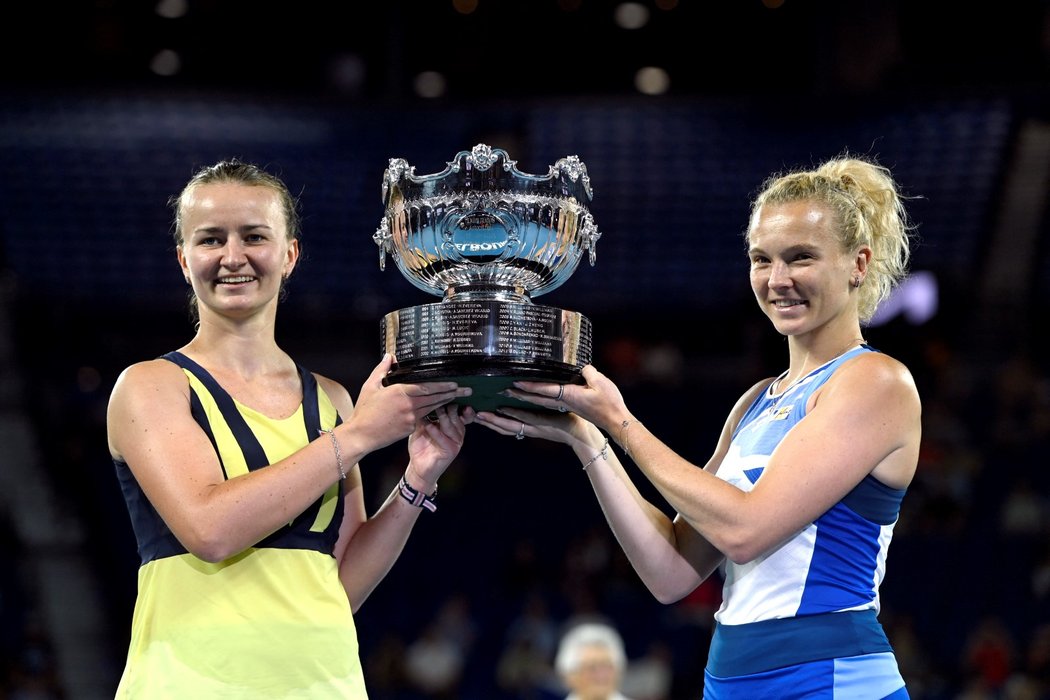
[{"x": 856, "y": 282}]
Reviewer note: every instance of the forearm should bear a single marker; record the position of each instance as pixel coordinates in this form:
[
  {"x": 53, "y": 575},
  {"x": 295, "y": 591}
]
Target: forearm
[
  {"x": 226, "y": 518},
  {"x": 646, "y": 534},
  {"x": 716, "y": 510},
  {"x": 375, "y": 546}
]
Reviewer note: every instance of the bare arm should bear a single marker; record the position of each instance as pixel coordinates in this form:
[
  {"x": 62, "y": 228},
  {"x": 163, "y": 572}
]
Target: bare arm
[
  {"x": 864, "y": 420},
  {"x": 151, "y": 429},
  {"x": 368, "y": 547}
]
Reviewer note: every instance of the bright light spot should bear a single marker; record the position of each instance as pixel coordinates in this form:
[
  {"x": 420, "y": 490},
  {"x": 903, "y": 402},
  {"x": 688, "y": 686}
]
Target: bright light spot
[
  {"x": 652, "y": 81},
  {"x": 916, "y": 299},
  {"x": 430, "y": 84},
  {"x": 631, "y": 15},
  {"x": 166, "y": 62}
]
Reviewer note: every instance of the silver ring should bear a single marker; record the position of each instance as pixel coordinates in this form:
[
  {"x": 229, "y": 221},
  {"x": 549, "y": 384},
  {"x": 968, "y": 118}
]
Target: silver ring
[
  {"x": 561, "y": 392},
  {"x": 521, "y": 433},
  {"x": 562, "y": 409}
]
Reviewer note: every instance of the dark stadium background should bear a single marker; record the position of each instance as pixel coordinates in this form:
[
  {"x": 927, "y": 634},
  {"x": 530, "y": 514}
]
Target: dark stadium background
[{"x": 107, "y": 107}]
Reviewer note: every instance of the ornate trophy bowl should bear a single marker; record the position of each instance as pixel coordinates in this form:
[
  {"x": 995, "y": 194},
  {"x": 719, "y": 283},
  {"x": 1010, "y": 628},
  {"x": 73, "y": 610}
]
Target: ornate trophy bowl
[{"x": 486, "y": 238}]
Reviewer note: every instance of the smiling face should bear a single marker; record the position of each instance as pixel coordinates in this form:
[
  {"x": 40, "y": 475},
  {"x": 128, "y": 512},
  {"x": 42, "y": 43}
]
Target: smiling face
[
  {"x": 800, "y": 274},
  {"x": 235, "y": 247}
]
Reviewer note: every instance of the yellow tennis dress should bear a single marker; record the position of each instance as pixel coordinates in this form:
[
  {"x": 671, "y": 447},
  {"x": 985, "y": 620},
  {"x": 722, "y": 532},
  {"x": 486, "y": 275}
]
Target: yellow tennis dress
[{"x": 271, "y": 622}]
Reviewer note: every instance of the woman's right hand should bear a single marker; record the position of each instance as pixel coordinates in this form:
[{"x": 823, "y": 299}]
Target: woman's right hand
[
  {"x": 598, "y": 400},
  {"x": 386, "y": 414}
]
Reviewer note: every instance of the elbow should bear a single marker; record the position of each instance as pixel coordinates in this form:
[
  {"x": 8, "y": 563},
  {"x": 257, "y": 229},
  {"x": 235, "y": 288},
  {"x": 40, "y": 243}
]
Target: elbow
[
  {"x": 670, "y": 589},
  {"x": 743, "y": 547},
  {"x": 208, "y": 545},
  {"x": 667, "y": 596}
]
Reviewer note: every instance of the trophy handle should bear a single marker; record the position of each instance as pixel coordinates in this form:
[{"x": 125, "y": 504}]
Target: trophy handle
[
  {"x": 384, "y": 239},
  {"x": 589, "y": 238}
]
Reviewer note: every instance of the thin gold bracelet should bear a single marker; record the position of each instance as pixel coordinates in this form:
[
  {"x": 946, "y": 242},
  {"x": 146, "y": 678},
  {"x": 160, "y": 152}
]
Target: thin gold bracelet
[{"x": 623, "y": 435}]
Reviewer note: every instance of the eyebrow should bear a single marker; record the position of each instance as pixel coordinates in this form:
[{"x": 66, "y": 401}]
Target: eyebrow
[{"x": 797, "y": 248}]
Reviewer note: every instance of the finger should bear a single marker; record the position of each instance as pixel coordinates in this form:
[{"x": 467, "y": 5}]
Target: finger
[
  {"x": 497, "y": 422},
  {"x": 433, "y": 388},
  {"x": 538, "y": 388},
  {"x": 381, "y": 370}
]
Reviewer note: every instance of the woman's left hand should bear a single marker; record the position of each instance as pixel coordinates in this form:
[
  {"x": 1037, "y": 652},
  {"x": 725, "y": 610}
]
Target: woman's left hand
[
  {"x": 566, "y": 428},
  {"x": 437, "y": 440}
]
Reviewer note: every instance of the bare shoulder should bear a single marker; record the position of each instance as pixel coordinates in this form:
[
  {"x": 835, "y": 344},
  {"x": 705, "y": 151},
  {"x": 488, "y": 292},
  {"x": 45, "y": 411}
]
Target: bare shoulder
[
  {"x": 147, "y": 375},
  {"x": 878, "y": 377},
  {"x": 146, "y": 393},
  {"x": 880, "y": 368}
]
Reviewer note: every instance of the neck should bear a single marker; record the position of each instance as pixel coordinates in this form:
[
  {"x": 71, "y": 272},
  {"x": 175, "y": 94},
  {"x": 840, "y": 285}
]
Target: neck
[
  {"x": 805, "y": 357},
  {"x": 247, "y": 348}
]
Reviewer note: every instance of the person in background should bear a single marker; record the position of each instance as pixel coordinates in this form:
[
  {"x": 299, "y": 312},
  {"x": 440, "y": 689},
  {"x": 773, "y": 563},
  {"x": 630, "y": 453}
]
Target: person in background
[
  {"x": 591, "y": 662},
  {"x": 240, "y": 471},
  {"x": 797, "y": 503}
]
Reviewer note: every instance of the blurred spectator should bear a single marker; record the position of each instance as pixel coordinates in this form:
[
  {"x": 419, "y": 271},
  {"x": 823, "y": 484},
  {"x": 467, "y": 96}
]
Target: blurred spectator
[
  {"x": 1024, "y": 510},
  {"x": 434, "y": 663},
  {"x": 591, "y": 661},
  {"x": 524, "y": 667}
]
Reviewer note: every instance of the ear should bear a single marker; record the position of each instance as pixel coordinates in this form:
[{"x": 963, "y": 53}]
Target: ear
[
  {"x": 291, "y": 258},
  {"x": 861, "y": 262},
  {"x": 182, "y": 263}
]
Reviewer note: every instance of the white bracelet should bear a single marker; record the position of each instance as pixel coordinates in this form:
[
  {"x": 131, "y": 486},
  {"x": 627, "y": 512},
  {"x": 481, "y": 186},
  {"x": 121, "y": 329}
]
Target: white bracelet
[
  {"x": 338, "y": 453},
  {"x": 603, "y": 453}
]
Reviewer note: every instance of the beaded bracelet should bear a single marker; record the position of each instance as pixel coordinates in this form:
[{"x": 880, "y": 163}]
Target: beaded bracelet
[
  {"x": 415, "y": 497},
  {"x": 603, "y": 453},
  {"x": 338, "y": 453}
]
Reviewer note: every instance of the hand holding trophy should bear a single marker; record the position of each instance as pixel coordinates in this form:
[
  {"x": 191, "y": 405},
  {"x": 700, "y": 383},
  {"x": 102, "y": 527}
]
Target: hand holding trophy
[{"x": 487, "y": 238}]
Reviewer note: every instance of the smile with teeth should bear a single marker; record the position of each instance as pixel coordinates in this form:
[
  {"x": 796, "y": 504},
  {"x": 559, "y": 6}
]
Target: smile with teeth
[
  {"x": 235, "y": 280},
  {"x": 787, "y": 303}
]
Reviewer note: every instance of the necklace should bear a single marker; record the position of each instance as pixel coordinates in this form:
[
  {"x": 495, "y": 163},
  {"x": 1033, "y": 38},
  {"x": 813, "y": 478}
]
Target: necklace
[{"x": 775, "y": 384}]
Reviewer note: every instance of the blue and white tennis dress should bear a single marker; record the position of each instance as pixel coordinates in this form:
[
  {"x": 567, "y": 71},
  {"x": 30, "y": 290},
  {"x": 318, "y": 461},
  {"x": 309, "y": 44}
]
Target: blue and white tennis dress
[{"x": 800, "y": 621}]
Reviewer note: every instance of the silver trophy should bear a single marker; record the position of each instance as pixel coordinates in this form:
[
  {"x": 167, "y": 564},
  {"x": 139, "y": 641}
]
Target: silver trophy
[{"x": 486, "y": 238}]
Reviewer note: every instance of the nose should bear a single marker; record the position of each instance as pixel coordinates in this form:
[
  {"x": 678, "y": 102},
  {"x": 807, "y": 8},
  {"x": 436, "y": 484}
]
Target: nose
[
  {"x": 779, "y": 275},
  {"x": 233, "y": 254}
]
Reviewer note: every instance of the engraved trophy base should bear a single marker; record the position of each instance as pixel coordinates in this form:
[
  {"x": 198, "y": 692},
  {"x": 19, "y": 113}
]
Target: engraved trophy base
[{"x": 487, "y": 345}]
